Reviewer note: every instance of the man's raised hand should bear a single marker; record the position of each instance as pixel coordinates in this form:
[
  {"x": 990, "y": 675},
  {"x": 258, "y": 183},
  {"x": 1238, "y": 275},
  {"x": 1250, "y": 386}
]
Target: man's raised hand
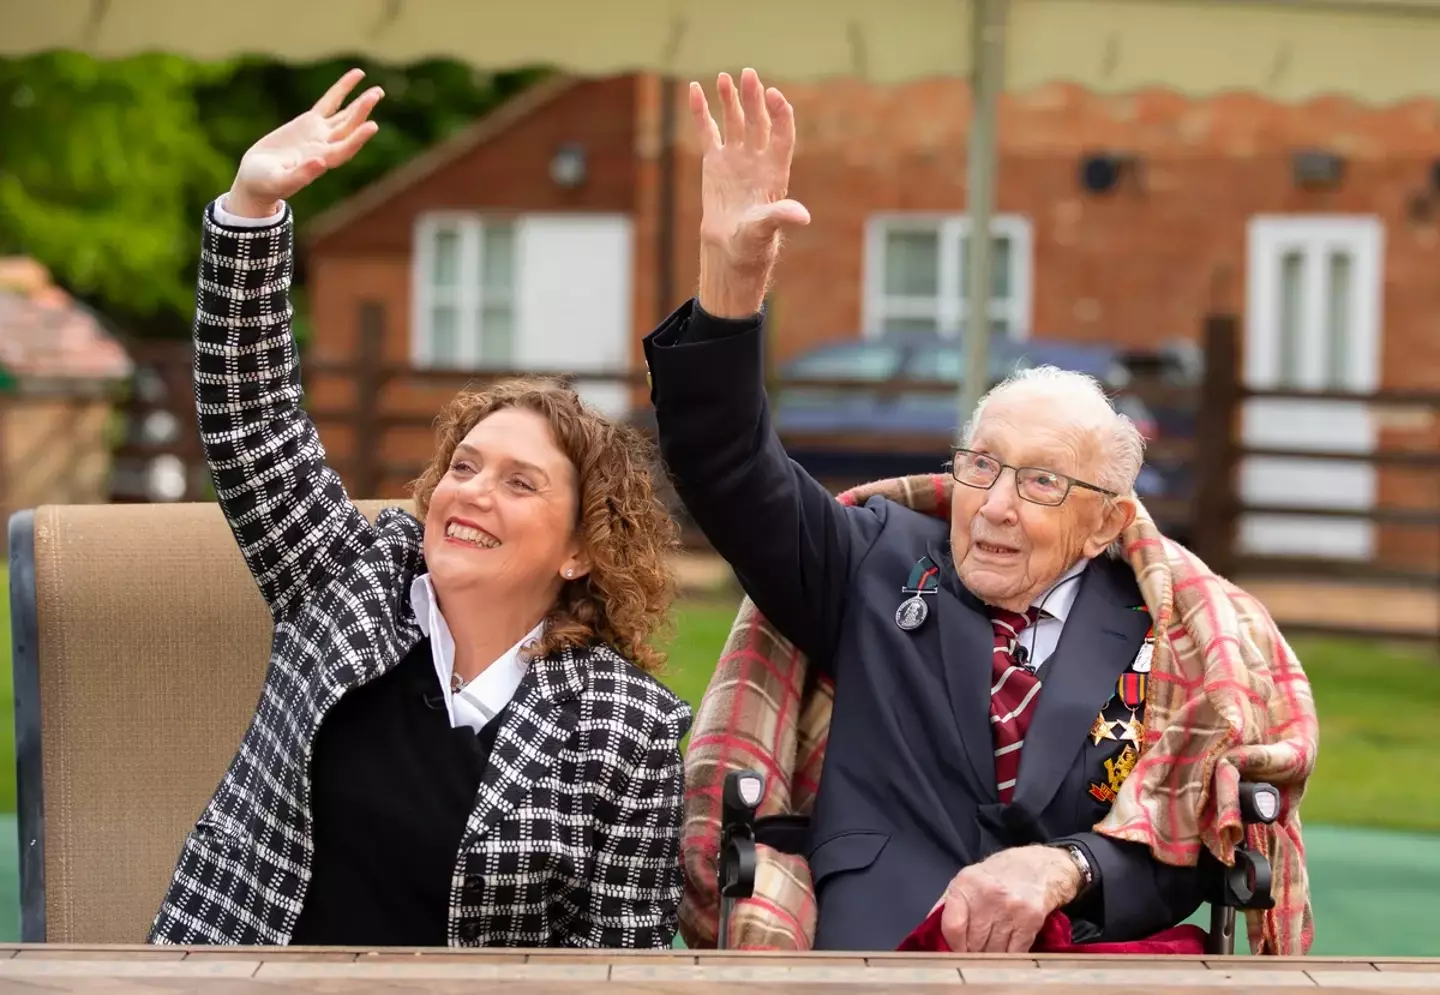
[
  {"x": 292, "y": 156},
  {"x": 745, "y": 177}
]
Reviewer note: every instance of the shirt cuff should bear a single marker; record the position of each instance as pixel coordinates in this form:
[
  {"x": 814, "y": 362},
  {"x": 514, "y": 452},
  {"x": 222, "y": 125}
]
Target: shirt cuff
[{"x": 228, "y": 220}]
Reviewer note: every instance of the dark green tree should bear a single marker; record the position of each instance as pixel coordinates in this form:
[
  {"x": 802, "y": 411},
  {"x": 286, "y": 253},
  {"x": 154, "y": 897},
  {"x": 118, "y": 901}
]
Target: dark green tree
[
  {"x": 105, "y": 166},
  {"x": 99, "y": 162}
]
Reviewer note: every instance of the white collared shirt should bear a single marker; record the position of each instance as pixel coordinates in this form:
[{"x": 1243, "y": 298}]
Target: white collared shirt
[
  {"x": 1041, "y": 638},
  {"x": 483, "y": 698}
]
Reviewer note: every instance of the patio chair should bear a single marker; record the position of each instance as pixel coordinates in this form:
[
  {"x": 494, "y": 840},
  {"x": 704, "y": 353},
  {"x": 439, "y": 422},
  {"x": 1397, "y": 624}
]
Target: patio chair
[{"x": 139, "y": 643}]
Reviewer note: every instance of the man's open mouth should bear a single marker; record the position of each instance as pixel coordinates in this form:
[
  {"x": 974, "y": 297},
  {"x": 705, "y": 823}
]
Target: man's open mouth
[{"x": 995, "y": 549}]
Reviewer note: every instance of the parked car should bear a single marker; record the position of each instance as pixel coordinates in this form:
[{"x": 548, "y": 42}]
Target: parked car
[{"x": 877, "y": 426}]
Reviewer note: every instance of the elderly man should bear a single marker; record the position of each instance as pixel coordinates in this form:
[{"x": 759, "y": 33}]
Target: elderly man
[{"x": 988, "y": 671}]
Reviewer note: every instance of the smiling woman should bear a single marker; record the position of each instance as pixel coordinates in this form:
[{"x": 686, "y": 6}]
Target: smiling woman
[
  {"x": 528, "y": 485},
  {"x": 458, "y": 742}
]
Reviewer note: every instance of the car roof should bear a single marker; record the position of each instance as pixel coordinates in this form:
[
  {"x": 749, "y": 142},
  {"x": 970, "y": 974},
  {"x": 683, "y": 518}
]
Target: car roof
[{"x": 1096, "y": 359}]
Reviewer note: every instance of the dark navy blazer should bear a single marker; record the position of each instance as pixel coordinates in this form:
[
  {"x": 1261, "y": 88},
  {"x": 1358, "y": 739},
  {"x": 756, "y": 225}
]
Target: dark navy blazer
[{"x": 907, "y": 796}]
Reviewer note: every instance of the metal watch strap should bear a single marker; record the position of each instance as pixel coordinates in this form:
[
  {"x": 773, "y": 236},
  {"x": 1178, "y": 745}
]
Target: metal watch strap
[{"x": 1082, "y": 862}]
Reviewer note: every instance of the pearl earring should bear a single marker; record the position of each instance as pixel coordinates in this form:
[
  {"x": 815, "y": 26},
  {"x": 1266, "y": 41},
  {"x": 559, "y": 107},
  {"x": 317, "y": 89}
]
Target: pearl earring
[{"x": 569, "y": 573}]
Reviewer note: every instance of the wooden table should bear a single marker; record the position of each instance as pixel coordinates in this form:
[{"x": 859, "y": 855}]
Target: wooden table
[{"x": 55, "y": 968}]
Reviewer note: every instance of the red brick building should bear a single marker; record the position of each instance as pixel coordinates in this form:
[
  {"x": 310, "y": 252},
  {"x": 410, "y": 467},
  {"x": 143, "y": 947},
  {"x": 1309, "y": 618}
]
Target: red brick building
[{"x": 495, "y": 250}]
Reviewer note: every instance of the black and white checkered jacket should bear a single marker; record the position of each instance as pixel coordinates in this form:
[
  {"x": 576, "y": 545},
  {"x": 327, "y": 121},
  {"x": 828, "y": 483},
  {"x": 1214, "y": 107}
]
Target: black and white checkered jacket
[{"x": 574, "y": 838}]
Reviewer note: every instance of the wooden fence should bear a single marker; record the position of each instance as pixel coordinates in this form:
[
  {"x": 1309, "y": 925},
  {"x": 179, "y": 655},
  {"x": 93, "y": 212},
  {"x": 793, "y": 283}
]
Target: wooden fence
[
  {"x": 55, "y": 442},
  {"x": 362, "y": 406}
]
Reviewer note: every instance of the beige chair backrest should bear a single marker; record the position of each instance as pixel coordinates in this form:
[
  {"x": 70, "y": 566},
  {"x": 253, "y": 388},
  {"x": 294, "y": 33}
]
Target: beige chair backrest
[{"x": 150, "y": 642}]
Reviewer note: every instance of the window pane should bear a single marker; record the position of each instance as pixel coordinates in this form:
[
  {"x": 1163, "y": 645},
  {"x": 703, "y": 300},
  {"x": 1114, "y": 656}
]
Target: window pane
[
  {"x": 1292, "y": 278},
  {"x": 1337, "y": 319},
  {"x": 912, "y": 263},
  {"x": 444, "y": 335},
  {"x": 497, "y": 325},
  {"x": 445, "y": 272},
  {"x": 497, "y": 256},
  {"x": 1000, "y": 266},
  {"x": 1000, "y": 263}
]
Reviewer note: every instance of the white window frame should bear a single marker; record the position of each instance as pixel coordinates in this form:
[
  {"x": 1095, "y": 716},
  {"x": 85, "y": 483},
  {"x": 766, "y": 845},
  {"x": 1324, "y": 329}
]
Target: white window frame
[
  {"x": 1270, "y": 238},
  {"x": 470, "y": 226},
  {"x": 949, "y": 307}
]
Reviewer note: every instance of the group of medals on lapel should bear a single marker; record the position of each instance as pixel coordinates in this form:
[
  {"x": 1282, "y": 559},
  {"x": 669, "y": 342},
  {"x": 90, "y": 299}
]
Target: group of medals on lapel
[
  {"x": 1119, "y": 718},
  {"x": 1120, "y": 722}
]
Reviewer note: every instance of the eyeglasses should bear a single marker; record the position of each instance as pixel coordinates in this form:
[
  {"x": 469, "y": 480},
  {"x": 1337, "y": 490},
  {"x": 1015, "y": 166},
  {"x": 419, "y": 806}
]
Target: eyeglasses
[{"x": 1034, "y": 484}]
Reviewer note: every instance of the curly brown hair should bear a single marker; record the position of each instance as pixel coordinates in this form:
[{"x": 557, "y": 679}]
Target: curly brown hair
[{"x": 626, "y": 529}]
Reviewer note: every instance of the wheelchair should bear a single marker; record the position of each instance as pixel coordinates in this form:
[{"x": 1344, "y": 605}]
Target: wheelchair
[{"x": 1245, "y": 885}]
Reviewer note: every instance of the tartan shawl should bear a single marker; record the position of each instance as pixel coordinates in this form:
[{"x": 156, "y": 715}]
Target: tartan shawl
[{"x": 1227, "y": 699}]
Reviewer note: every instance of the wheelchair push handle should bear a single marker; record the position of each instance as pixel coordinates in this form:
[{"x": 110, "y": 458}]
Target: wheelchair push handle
[
  {"x": 1259, "y": 803},
  {"x": 1246, "y": 884},
  {"x": 740, "y": 799}
]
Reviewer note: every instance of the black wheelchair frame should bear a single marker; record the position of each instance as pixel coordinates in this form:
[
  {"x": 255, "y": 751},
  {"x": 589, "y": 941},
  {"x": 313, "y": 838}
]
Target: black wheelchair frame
[{"x": 1245, "y": 885}]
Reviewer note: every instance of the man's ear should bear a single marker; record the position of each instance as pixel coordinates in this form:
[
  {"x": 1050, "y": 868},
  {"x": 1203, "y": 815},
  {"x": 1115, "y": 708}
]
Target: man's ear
[{"x": 1117, "y": 515}]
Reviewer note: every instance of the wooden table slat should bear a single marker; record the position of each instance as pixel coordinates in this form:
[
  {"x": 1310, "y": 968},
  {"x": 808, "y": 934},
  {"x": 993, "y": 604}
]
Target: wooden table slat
[{"x": 91, "y": 968}]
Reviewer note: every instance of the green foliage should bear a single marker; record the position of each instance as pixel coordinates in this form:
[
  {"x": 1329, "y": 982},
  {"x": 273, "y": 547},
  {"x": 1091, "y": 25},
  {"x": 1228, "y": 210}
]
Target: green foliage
[
  {"x": 101, "y": 160},
  {"x": 107, "y": 165},
  {"x": 424, "y": 103}
]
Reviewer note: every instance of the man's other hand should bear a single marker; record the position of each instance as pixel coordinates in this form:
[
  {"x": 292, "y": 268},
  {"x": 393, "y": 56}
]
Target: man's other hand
[{"x": 999, "y": 904}]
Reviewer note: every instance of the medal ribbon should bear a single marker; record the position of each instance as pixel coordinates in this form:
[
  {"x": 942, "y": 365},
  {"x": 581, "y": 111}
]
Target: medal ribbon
[
  {"x": 1131, "y": 689},
  {"x": 924, "y": 577}
]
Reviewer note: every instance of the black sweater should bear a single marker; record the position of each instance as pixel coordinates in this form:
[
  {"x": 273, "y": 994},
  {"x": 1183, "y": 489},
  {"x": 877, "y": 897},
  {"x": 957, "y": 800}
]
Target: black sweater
[{"x": 392, "y": 787}]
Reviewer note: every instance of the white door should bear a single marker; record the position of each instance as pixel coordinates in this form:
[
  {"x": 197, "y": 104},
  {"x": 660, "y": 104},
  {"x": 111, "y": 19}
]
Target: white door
[
  {"x": 1313, "y": 323},
  {"x": 574, "y": 299}
]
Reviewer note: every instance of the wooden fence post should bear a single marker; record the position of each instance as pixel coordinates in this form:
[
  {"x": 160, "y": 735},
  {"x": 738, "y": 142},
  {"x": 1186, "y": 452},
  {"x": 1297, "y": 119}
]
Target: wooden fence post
[
  {"x": 369, "y": 378},
  {"x": 1216, "y": 504}
]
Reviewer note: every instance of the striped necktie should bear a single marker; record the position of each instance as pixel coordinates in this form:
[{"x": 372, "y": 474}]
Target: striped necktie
[{"x": 1013, "y": 692}]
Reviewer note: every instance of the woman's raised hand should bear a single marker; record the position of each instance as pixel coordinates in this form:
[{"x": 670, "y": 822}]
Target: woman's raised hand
[{"x": 292, "y": 156}]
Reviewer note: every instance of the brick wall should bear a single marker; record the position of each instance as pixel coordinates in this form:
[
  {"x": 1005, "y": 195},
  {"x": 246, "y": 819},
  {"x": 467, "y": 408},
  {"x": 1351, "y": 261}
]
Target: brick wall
[
  {"x": 1135, "y": 266},
  {"x": 1141, "y": 262},
  {"x": 368, "y": 258}
]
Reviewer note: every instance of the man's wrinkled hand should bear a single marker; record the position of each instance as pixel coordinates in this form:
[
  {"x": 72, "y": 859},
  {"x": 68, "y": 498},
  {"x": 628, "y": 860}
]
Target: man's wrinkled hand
[
  {"x": 999, "y": 904},
  {"x": 745, "y": 179}
]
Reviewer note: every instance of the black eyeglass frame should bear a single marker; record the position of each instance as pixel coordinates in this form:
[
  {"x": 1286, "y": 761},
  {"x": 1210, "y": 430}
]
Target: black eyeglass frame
[{"x": 1070, "y": 482}]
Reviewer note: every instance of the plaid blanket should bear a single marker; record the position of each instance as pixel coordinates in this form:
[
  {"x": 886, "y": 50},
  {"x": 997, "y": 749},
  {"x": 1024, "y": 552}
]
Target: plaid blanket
[{"x": 1226, "y": 700}]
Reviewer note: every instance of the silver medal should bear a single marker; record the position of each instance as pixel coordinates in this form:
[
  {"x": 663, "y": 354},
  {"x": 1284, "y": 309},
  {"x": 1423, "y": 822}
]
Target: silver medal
[{"x": 912, "y": 613}]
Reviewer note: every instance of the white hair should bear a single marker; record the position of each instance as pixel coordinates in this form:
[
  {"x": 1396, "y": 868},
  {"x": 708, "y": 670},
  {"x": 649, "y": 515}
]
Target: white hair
[{"x": 1122, "y": 447}]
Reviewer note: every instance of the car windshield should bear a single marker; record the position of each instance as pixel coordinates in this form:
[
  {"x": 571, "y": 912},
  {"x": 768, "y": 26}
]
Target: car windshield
[
  {"x": 944, "y": 361},
  {"x": 862, "y": 361}
]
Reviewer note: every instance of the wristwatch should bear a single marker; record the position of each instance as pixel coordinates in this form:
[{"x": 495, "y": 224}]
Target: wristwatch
[{"x": 1082, "y": 864}]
